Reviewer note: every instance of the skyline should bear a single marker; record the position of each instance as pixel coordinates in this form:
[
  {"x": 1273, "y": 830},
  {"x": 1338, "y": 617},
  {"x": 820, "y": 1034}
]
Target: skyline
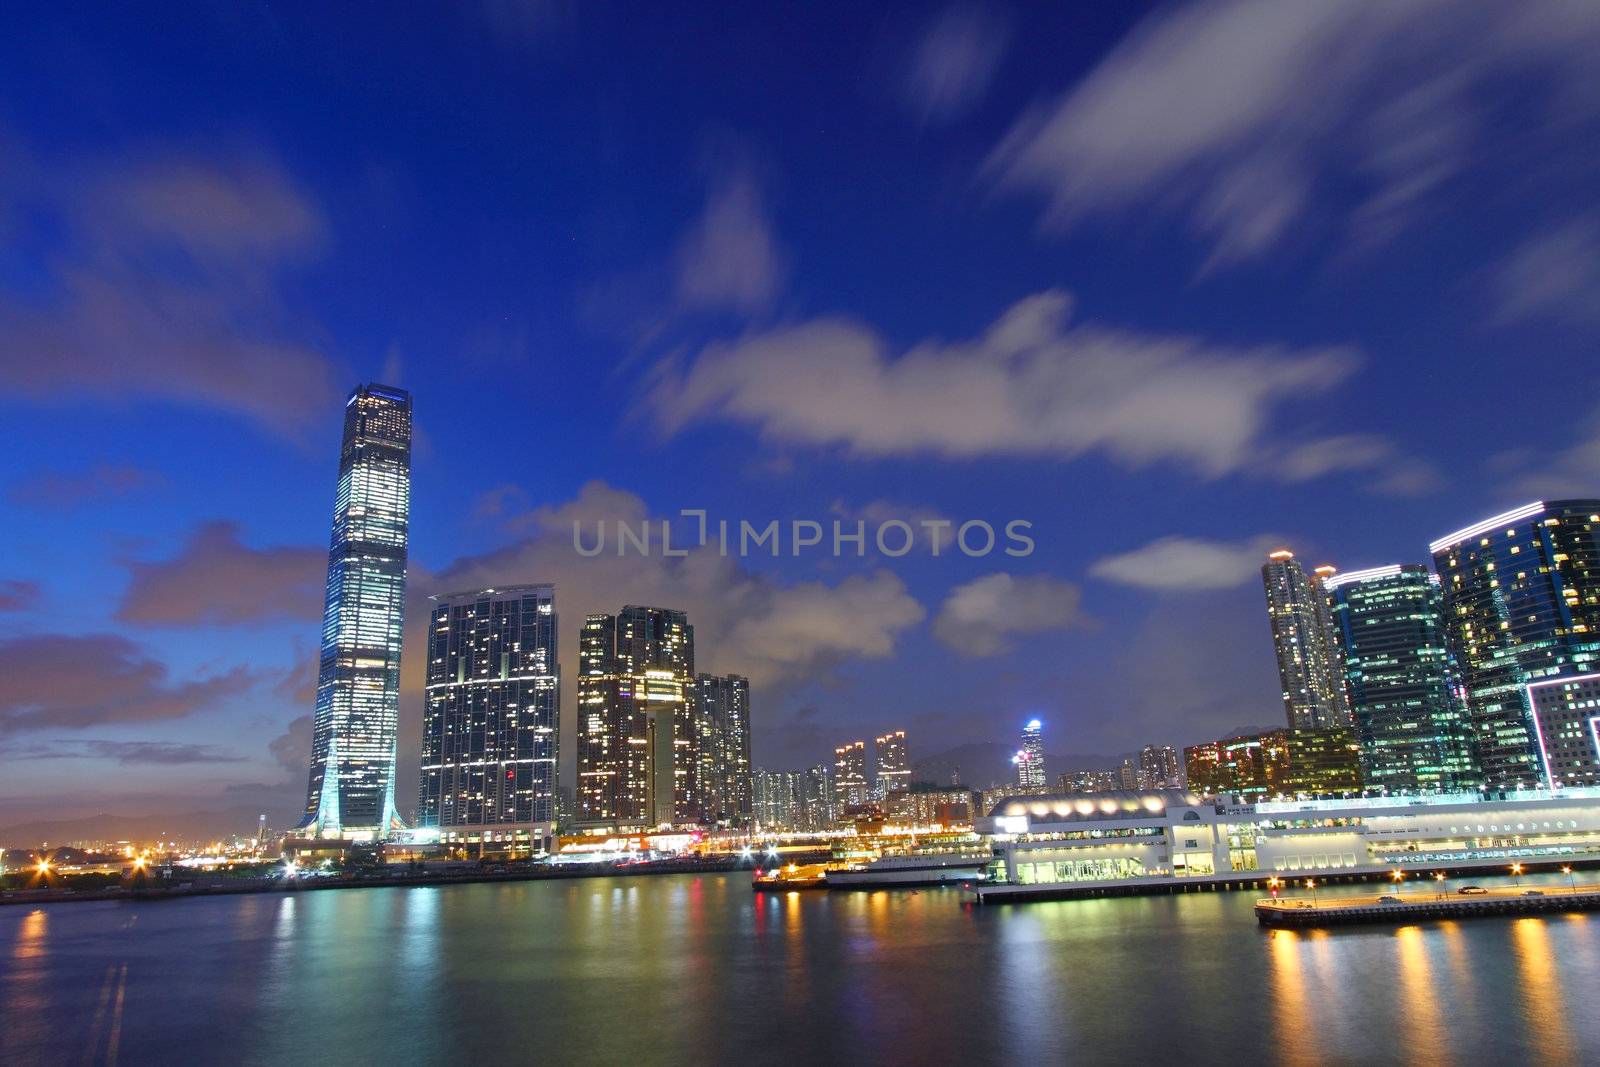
[{"x": 619, "y": 323}]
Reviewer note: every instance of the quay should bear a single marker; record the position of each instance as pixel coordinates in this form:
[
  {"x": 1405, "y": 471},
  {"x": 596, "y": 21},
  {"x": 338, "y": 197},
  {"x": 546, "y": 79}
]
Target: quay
[{"x": 1300, "y": 913}]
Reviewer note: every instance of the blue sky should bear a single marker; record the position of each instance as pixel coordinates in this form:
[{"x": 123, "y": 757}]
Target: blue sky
[{"x": 1175, "y": 284}]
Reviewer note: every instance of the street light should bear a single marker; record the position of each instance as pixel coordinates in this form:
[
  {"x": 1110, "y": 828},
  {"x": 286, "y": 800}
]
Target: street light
[
  {"x": 1398, "y": 876},
  {"x": 1273, "y": 883},
  {"x": 1311, "y": 884},
  {"x": 1572, "y": 885},
  {"x": 1438, "y": 876},
  {"x": 1516, "y": 873}
]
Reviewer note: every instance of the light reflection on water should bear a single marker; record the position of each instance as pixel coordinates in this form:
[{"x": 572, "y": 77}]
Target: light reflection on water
[{"x": 699, "y": 969}]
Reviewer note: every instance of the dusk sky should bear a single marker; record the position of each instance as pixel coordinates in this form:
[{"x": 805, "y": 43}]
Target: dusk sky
[{"x": 1176, "y": 284}]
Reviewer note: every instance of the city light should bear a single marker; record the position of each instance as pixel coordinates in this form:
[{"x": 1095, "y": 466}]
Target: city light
[{"x": 43, "y": 866}]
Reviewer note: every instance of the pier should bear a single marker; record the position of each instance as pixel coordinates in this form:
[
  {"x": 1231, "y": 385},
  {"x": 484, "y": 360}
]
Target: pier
[{"x": 1300, "y": 912}]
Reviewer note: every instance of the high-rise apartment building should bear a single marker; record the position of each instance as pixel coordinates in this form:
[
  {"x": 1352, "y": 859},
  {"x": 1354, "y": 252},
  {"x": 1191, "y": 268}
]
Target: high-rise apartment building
[
  {"x": 1159, "y": 768},
  {"x": 1303, "y": 638},
  {"x": 1404, "y": 693},
  {"x": 778, "y": 801},
  {"x": 1086, "y": 781},
  {"x": 850, "y": 786},
  {"x": 819, "y": 806},
  {"x": 1522, "y": 604},
  {"x": 894, "y": 763},
  {"x": 722, "y": 749},
  {"x": 1030, "y": 758},
  {"x": 355, "y": 725},
  {"x": 490, "y": 726},
  {"x": 636, "y": 734}
]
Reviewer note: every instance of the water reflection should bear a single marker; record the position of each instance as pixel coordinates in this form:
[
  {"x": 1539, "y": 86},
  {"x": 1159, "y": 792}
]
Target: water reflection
[
  {"x": 1423, "y": 1035},
  {"x": 1544, "y": 1012},
  {"x": 1292, "y": 1019}
]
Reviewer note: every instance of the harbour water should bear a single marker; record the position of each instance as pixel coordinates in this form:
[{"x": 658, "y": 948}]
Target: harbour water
[{"x": 698, "y": 969}]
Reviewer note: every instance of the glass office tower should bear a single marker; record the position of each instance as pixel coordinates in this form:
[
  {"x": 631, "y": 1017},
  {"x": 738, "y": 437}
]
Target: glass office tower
[
  {"x": 1303, "y": 638},
  {"x": 1401, "y": 681},
  {"x": 1522, "y": 603},
  {"x": 351, "y": 792},
  {"x": 490, "y": 719},
  {"x": 1029, "y": 759}
]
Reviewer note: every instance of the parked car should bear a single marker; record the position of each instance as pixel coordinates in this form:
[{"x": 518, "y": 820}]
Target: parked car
[
  {"x": 1533, "y": 892},
  {"x": 1472, "y": 891},
  {"x": 1389, "y": 900}
]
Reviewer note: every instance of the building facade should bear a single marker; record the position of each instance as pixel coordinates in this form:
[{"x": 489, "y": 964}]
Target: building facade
[
  {"x": 491, "y": 719},
  {"x": 1566, "y": 719},
  {"x": 1031, "y": 772},
  {"x": 636, "y": 733},
  {"x": 777, "y": 800},
  {"x": 894, "y": 763},
  {"x": 1521, "y": 595},
  {"x": 355, "y": 726},
  {"x": 1160, "y": 768},
  {"x": 1401, "y": 680},
  {"x": 1304, "y": 642},
  {"x": 722, "y": 750},
  {"x": 1086, "y": 781},
  {"x": 850, "y": 786}
]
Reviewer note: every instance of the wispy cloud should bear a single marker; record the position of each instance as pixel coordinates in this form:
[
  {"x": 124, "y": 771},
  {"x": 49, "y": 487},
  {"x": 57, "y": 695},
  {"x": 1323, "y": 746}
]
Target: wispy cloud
[
  {"x": 161, "y": 753},
  {"x": 17, "y": 594},
  {"x": 1031, "y": 384},
  {"x": 1187, "y": 564},
  {"x": 1240, "y": 116},
  {"x": 980, "y": 617},
  {"x": 69, "y": 681},
  {"x": 64, "y": 490},
  {"x": 164, "y": 284},
  {"x": 1555, "y": 273},
  {"x": 730, "y": 258},
  {"x": 954, "y": 60},
  {"x": 218, "y": 580}
]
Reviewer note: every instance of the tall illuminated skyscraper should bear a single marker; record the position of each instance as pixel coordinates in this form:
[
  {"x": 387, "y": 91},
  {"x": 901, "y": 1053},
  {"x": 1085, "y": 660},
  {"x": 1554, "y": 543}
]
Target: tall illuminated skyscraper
[
  {"x": 490, "y": 719},
  {"x": 351, "y": 792},
  {"x": 1404, "y": 693},
  {"x": 894, "y": 762},
  {"x": 1307, "y": 649},
  {"x": 850, "y": 775},
  {"x": 1522, "y": 603},
  {"x": 636, "y": 733},
  {"x": 1030, "y": 758}
]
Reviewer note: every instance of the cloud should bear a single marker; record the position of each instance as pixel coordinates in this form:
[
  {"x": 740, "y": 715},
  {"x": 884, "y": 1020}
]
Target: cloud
[
  {"x": 61, "y": 681},
  {"x": 161, "y": 753},
  {"x": 1030, "y": 385},
  {"x": 877, "y": 512},
  {"x": 730, "y": 259},
  {"x": 1552, "y": 474},
  {"x": 292, "y": 748},
  {"x": 977, "y": 618},
  {"x": 218, "y": 580},
  {"x": 1555, "y": 273},
  {"x": 1206, "y": 111},
  {"x": 64, "y": 490},
  {"x": 954, "y": 60},
  {"x": 1391, "y": 472},
  {"x": 1187, "y": 564},
  {"x": 17, "y": 594},
  {"x": 161, "y": 282}
]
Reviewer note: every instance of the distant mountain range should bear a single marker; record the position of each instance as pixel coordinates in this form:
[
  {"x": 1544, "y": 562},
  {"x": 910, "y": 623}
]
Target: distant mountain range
[
  {"x": 988, "y": 763},
  {"x": 194, "y": 826}
]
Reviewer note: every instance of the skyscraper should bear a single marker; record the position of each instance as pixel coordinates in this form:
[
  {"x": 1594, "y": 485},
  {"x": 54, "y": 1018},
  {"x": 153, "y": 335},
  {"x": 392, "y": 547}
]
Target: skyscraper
[
  {"x": 490, "y": 719},
  {"x": 1303, "y": 637},
  {"x": 850, "y": 774},
  {"x": 722, "y": 749},
  {"x": 1403, "y": 690},
  {"x": 1566, "y": 718},
  {"x": 777, "y": 800},
  {"x": 1522, "y": 603},
  {"x": 1030, "y": 759},
  {"x": 351, "y": 790},
  {"x": 894, "y": 762},
  {"x": 636, "y": 758}
]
